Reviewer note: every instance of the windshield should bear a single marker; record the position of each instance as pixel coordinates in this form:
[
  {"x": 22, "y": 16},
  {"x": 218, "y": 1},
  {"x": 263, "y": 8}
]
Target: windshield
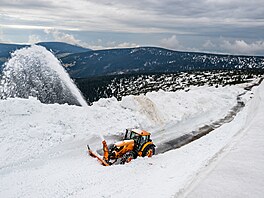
[{"x": 134, "y": 136}]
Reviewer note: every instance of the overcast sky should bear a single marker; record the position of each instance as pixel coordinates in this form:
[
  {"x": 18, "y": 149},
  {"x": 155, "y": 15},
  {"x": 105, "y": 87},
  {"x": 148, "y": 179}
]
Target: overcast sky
[{"x": 224, "y": 26}]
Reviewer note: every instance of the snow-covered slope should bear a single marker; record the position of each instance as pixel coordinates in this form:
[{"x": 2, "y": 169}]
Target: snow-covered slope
[
  {"x": 32, "y": 128},
  {"x": 152, "y": 60},
  {"x": 239, "y": 172},
  {"x": 42, "y": 147}
]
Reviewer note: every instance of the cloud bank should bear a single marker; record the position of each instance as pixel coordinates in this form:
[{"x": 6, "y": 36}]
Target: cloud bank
[
  {"x": 242, "y": 47},
  {"x": 132, "y": 16},
  {"x": 175, "y": 24},
  {"x": 62, "y": 37}
]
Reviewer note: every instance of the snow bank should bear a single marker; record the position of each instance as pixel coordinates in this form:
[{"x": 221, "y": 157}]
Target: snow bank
[
  {"x": 238, "y": 171},
  {"x": 31, "y": 127},
  {"x": 45, "y": 144}
]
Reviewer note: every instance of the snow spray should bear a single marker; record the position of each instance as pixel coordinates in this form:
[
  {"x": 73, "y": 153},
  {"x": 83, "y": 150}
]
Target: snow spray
[
  {"x": 101, "y": 136},
  {"x": 34, "y": 71}
]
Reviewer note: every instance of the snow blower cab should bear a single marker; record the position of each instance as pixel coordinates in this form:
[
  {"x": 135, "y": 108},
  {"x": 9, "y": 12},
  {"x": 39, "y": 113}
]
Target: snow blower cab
[{"x": 136, "y": 143}]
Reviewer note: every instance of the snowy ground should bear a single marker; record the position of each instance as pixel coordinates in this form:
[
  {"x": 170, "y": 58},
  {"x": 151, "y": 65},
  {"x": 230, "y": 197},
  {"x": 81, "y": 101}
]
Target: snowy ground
[
  {"x": 42, "y": 147},
  {"x": 239, "y": 171}
]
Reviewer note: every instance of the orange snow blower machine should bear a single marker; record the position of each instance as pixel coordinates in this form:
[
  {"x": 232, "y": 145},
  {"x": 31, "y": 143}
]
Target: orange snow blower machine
[{"x": 136, "y": 143}]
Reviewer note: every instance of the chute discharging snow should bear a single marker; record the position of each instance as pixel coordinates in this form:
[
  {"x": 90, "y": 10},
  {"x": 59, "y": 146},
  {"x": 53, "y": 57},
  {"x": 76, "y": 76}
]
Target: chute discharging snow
[{"x": 34, "y": 71}]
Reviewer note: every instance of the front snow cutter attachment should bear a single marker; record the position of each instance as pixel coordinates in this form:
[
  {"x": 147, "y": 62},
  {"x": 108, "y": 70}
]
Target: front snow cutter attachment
[{"x": 92, "y": 154}]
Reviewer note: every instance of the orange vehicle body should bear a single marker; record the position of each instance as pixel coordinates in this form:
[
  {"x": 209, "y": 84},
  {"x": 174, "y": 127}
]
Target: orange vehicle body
[{"x": 136, "y": 143}]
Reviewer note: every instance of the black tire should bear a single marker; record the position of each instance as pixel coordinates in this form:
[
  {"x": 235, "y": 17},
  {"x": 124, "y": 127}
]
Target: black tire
[
  {"x": 149, "y": 151},
  {"x": 127, "y": 157}
]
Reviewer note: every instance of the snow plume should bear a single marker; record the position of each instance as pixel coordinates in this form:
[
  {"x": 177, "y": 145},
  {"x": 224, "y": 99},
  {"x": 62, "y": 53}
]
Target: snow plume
[{"x": 34, "y": 71}]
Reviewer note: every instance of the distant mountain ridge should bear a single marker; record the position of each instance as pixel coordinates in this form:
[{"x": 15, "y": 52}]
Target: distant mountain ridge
[
  {"x": 84, "y": 63},
  {"x": 60, "y": 49},
  {"x": 5, "y": 49},
  {"x": 152, "y": 60}
]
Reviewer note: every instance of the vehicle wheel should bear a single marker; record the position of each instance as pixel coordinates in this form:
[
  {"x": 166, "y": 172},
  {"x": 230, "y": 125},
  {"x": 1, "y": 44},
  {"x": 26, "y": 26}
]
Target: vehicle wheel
[
  {"x": 149, "y": 151},
  {"x": 128, "y": 157},
  {"x": 111, "y": 147}
]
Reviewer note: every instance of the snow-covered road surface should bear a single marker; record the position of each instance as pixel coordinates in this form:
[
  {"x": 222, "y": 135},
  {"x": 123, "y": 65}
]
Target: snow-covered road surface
[{"x": 43, "y": 146}]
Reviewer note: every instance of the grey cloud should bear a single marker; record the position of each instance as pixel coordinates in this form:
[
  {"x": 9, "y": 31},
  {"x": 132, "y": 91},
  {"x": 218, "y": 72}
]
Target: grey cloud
[
  {"x": 253, "y": 9},
  {"x": 243, "y": 47},
  {"x": 34, "y": 39},
  {"x": 1, "y": 36},
  {"x": 171, "y": 43},
  {"x": 166, "y": 15},
  {"x": 232, "y": 19},
  {"x": 26, "y": 4},
  {"x": 63, "y": 37}
]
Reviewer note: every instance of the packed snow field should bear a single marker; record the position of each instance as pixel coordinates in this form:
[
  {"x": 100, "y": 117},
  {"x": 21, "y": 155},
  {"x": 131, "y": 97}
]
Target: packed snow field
[{"x": 43, "y": 147}]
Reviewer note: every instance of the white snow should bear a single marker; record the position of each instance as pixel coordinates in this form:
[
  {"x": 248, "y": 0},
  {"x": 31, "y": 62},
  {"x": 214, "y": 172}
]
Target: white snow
[
  {"x": 43, "y": 147},
  {"x": 239, "y": 172},
  {"x": 29, "y": 68}
]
